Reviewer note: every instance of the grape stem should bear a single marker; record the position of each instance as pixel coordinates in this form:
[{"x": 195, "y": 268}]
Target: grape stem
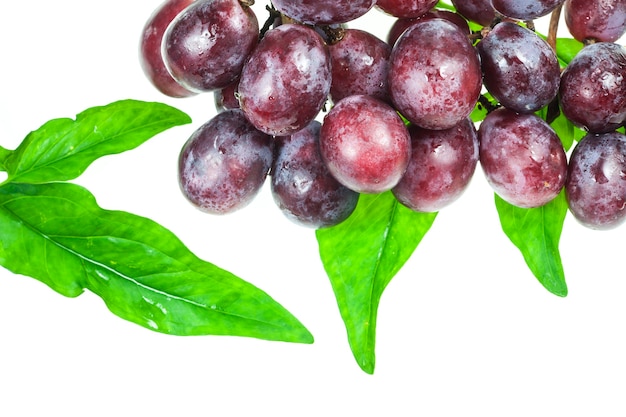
[
  {"x": 274, "y": 14},
  {"x": 554, "y": 26}
]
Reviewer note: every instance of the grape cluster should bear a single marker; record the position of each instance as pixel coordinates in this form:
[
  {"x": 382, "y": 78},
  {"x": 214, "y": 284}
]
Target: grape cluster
[{"x": 328, "y": 112}]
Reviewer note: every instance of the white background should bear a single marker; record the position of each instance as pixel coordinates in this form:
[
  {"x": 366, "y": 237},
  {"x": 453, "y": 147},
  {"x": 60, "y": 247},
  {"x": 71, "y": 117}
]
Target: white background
[{"x": 464, "y": 328}]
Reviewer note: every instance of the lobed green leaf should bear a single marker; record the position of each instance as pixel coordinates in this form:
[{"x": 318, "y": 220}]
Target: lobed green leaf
[
  {"x": 361, "y": 256},
  {"x": 57, "y": 233},
  {"x": 4, "y": 154},
  {"x": 62, "y": 149},
  {"x": 536, "y": 232}
]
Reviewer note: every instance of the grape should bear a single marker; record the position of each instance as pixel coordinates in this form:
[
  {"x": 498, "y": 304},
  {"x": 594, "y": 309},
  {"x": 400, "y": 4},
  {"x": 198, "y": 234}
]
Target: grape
[
  {"x": 226, "y": 98},
  {"x": 519, "y": 68},
  {"x": 302, "y": 186},
  {"x": 525, "y": 9},
  {"x": 603, "y": 21},
  {"x": 205, "y": 46},
  {"x": 360, "y": 65},
  {"x": 224, "y": 163},
  {"x": 406, "y": 8},
  {"x": 434, "y": 75},
  {"x": 593, "y": 88},
  {"x": 403, "y": 23},
  {"x": 323, "y": 12},
  {"x": 365, "y": 144},
  {"x": 522, "y": 158},
  {"x": 479, "y": 11},
  {"x": 150, "y": 56},
  {"x": 441, "y": 167},
  {"x": 286, "y": 80},
  {"x": 596, "y": 184}
]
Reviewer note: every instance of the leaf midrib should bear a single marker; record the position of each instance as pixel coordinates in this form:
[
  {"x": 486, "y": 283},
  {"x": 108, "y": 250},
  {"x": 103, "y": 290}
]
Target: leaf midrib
[{"x": 84, "y": 258}]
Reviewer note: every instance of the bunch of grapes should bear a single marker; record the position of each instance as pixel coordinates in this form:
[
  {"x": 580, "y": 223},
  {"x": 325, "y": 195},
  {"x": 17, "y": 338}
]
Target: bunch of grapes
[{"x": 328, "y": 112}]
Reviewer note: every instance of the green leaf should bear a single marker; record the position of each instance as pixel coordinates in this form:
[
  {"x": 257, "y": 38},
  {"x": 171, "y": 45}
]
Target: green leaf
[
  {"x": 536, "y": 232},
  {"x": 4, "y": 154},
  {"x": 62, "y": 149},
  {"x": 57, "y": 234},
  {"x": 361, "y": 256},
  {"x": 567, "y": 49}
]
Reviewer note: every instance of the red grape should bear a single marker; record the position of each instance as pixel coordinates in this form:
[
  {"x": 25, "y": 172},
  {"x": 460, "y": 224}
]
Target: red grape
[
  {"x": 365, "y": 144},
  {"x": 519, "y": 68},
  {"x": 150, "y": 55},
  {"x": 205, "y": 46},
  {"x": 406, "y": 8},
  {"x": 403, "y": 23},
  {"x": 435, "y": 77},
  {"x": 596, "y": 184},
  {"x": 603, "y": 21},
  {"x": 479, "y": 11},
  {"x": 525, "y": 9},
  {"x": 302, "y": 185},
  {"x": 286, "y": 80},
  {"x": 522, "y": 158},
  {"x": 224, "y": 163},
  {"x": 360, "y": 65},
  {"x": 323, "y": 12},
  {"x": 441, "y": 167},
  {"x": 593, "y": 88}
]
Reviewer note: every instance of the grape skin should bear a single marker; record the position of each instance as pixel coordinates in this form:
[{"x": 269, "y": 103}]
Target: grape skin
[
  {"x": 435, "y": 77},
  {"x": 603, "y": 21},
  {"x": 441, "y": 167},
  {"x": 403, "y": 23},
  {"x": 360, "y": 65},
  {"x": 479, "y": 11},
  {"x": 205, "y": 46},
  {"x": 520, "y": 69},
  {"x": 596, "y": 184},
  {"x": 150, "y": 55},
  {"x": 224, "y": 163},
  {"x": 525, "y": 9},
  {"x": 593, "y": 88},
  {"x": 365, "y": 144},
  {"x": 406, "y": 8},
  {"x": 226, "y": 98},
  {"x": 286, "y": 80},
  {"x": 522, "y": 158},
  {"x": 323, "y": 12},
  {"x": 303, "y": 187}
]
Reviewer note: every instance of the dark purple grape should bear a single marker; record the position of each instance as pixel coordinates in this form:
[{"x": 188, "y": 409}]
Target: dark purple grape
[
  {"x": 224, "y": 163},
  {"x": 365, "y": 144},
  {"x": 479, "y": 11},
  {"x": 226, "y": 98},
  {"x": 593, "y": 88},
  {"x": 596, "y": 183},
  {"x": 519, "y": 68},
  {"x": 323, "y": 12},
  {"x": 360, "y": 65},
  {"x": 403, "y": 23},
  {"x": 286, "y": 81},
  {"x": 150, "y": 54},
  {"x": 441, "y": 167},
  {"x": 522, "y": 158},
  {"x": 525, "y": 9},
  {"x": 206, "y": 45},
  {"x": 434, "y": 75},
  {"x": 406, "y": 8},
  {"x": 603, "y": 21},
  {"x": 303, "y": 187}
]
